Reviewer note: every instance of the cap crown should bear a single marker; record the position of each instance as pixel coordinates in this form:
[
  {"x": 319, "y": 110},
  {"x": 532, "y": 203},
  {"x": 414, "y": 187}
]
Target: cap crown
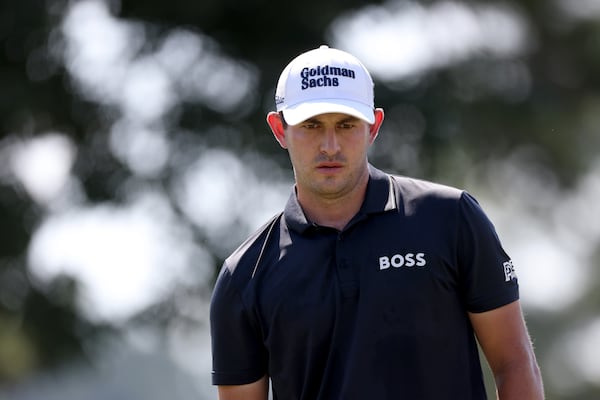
[{"x": 324, "y": 80}]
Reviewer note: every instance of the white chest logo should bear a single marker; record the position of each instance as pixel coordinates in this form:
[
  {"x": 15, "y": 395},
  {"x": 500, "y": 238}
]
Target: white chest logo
[{"x": 406, "y": 260}]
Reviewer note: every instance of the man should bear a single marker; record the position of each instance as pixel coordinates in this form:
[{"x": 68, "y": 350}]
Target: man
[{"x": 368, "y": 285}]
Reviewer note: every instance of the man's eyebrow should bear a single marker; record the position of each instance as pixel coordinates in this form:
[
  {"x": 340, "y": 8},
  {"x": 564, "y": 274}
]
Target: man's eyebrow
[
  {"x": 348, "y": 119},
  {"x": 312, "y": 120},
  {"x": 315, "y": 120}
]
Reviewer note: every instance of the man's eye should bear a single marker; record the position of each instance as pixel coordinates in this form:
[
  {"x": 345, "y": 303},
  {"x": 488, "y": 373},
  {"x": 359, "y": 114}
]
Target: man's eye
[
  {"x": 311, "y": 126},
  {"x": 346, "y": 126}
]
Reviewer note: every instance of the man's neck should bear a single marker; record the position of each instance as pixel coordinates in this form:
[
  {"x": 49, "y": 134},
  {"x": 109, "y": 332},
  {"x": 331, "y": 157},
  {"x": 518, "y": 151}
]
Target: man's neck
[{"x": 334, "y": 212}]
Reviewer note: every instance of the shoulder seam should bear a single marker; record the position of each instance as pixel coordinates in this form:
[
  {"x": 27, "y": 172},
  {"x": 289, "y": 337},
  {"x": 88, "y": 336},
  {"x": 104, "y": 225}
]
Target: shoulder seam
[{"x": 271, "y": 224}]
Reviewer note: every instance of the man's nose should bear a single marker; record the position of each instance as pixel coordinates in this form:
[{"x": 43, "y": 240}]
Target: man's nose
[{"x": 330, "y": 144}]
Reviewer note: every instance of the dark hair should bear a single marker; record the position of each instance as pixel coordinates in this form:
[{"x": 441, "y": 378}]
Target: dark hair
[{"x": 283, "y": 121}]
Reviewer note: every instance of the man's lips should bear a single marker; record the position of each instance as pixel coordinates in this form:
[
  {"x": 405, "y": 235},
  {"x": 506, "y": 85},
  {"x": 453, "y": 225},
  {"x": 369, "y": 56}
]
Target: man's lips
[{"x": 329, "y": 166}]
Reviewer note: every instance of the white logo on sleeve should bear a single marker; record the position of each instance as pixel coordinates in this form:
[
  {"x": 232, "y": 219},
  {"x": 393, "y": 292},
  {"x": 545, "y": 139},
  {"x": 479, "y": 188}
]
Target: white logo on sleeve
[
  {"x": 509, "y": 271},
  {"x": 399, "y": 260}
]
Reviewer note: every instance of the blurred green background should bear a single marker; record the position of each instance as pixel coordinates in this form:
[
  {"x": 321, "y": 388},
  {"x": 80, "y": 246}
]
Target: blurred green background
[{"x": 134, "y": 156}]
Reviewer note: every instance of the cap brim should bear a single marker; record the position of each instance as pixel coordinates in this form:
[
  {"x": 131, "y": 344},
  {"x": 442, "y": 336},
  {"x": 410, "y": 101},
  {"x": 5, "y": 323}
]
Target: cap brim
[{"x": 295, "y": 114}]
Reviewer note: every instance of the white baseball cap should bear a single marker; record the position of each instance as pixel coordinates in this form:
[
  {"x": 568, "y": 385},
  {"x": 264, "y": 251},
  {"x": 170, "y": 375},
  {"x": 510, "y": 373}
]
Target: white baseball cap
[{"x": 325, "y": 80}]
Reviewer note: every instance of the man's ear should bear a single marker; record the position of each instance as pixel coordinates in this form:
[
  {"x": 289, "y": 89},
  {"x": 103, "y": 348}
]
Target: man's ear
[
  {"x": 374, "y": 130},
  {"x": 276, "y": 125}
]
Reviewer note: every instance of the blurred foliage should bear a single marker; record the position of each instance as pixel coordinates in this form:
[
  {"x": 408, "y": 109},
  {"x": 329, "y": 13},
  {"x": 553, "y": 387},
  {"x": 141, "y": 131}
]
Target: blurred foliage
[{"x": 464, "y": 125}]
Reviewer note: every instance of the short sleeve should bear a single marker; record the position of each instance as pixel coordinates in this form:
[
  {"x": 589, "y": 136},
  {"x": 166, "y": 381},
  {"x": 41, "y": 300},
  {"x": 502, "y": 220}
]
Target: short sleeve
[
  {"x": 487, "y": 275},
  {"x": 239, "y": 356}
]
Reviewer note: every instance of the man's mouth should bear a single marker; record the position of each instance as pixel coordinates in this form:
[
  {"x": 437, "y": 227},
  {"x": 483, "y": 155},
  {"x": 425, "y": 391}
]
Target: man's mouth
[{"x": 329, "y": 166}]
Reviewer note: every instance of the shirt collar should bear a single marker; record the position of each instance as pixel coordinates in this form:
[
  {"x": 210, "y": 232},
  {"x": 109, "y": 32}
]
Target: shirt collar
[{"x": 380, "y": 197}]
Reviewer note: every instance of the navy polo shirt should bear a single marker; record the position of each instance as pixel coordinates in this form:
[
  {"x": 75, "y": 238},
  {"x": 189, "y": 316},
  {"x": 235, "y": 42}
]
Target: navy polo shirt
[{"x": 378, "y": 310}]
